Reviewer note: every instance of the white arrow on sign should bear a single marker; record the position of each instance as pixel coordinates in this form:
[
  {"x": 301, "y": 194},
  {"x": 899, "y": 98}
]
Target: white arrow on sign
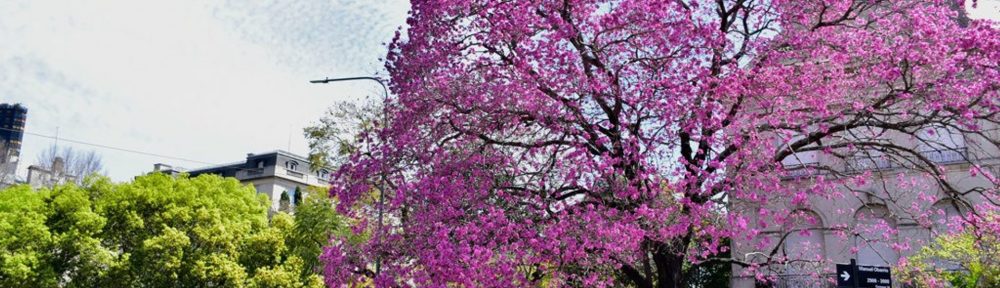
[{"x": 845, "y": 276}]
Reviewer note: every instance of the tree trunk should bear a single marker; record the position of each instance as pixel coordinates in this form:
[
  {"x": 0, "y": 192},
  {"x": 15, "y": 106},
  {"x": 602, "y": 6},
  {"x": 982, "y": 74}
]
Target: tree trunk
[
  {"x": 669, "y": 272},
  {"x": 669, "y": 267}
]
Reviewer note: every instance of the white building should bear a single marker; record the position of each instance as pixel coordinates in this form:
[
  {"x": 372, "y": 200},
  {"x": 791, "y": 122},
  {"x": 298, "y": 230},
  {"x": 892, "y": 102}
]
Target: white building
[
  {"x": 39, "y": 176},
  {"x": 282, "y": 176},
  {"x": 877, "y": 222}
]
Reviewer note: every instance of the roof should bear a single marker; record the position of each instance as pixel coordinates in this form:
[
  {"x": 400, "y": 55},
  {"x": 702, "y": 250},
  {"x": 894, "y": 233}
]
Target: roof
[{"x": 242, "y": 164}]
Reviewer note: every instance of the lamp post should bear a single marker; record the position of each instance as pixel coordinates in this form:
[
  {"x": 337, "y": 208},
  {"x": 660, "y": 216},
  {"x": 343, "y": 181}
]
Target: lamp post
[{"x": 379, "y": 186}]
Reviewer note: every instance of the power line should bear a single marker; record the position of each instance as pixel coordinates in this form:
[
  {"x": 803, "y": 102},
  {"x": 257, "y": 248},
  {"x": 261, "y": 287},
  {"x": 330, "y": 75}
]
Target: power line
[
  {"x": 210, "y": 164},
  {"x": 110, "y": 147}
]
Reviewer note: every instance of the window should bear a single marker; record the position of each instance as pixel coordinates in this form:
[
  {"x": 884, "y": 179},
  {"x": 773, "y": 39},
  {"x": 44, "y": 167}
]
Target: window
[
  {"x": 875, "y": 235},
  {"x": 322, "y": 173},
  {"x": 805, "y": 244},
  {"x": 945, "y": 217},
  {"x": 260, "y": 164},
  {"x": 291, "y": 165}
]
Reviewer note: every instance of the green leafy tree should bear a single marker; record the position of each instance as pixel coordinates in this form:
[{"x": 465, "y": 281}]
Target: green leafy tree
[
  {"x": 189, "y": 227},
  {"x": 316, "y": 221},
  {"x": 24, "y": 239},
  {"x": 284, "y": 204},
  {"x": 297, "y": 199},
  {"x": 338, "y": 133},
  {"x": 966, "y": 260},
  {"x": 77, "y": 254},
  {"x": 709, "y": 274},
  {"x": 156, "y": 231},
  {"x": 51, "y": 238}
]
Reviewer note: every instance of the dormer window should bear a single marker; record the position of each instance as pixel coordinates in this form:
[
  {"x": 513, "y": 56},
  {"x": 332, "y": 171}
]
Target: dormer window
[
  {"x": 291, "y": 165},
  {"x": 322, "y": 173},
  {"x": 260, "y": 164}
]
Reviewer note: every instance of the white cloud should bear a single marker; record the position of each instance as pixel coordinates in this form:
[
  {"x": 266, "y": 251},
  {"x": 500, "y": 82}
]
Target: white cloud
[
  {"x": 984, "y": 9},
  {"x": 184, "y": 78}
]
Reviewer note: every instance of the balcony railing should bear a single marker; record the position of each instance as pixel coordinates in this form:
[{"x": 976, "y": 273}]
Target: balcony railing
[
  {"x": 800, "y": 170},
  {"x": 877, "y": 163},
  {"x": 937, "y": 156},
  {"x": 946, "y": 156},
  {"x": 865, "y": 163},
  {"x": 254, "y": 171}
]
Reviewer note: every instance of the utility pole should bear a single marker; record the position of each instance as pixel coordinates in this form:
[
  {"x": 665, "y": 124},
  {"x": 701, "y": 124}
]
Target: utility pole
[{"x": 381, "y": 185}]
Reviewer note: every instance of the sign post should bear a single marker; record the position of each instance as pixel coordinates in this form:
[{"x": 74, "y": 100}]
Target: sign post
[{"x": 862, "y": 276}]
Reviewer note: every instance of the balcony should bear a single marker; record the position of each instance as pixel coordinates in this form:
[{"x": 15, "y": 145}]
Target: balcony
[
  {"x": 946, "y": 156},
  {"x": 800, "y": 170},
  {"x": 937, "y": 156},
  {"x": 254, "y": 171},
  {"x": 866, "y": 163}
]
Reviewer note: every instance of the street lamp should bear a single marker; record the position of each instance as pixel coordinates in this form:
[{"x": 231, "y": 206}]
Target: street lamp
[
  {"x": 385, "y": 92},
  {"x": 379, "y": 186}
]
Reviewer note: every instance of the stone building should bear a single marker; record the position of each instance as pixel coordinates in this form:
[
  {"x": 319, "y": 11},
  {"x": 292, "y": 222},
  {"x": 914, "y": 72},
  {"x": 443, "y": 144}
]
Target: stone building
[
  {"x": 877, "y": 222},
  {"x": 282, "y": 176},
  {"x": 39, "y": 176}
]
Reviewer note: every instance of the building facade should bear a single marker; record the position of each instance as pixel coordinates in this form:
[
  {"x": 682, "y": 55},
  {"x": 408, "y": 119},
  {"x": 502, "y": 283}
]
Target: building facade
[
  {"x": 39, "y": 176},
  {"x": 282, "y": 176},
  {"x": 893, "y": 215},
  {"x": 12, "y": 121}
]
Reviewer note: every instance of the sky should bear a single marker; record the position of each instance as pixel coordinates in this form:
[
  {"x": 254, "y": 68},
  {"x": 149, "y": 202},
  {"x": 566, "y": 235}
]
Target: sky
[
  {"x": 208, "y": 81},
  {"x": 202, "y": 80}
]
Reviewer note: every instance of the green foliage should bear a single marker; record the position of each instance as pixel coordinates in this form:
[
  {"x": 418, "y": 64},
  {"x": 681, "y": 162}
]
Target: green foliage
[
  {"x": 284, "y": 205},
  {"x": 713, "y": 274},
  {"x": 317, "y": 222},
  {"x": 157, "y": 231},
  {"x": 338, "y": 133},
  {"x": 709, "y": 274},
  {"x": 297, "y": 199},
  {"x": 974, "y": 261},
  {"x": 24, "y": 239}
]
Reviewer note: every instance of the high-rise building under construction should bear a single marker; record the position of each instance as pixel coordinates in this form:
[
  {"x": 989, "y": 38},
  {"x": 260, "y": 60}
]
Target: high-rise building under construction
[{"x": 12, "y": 119}]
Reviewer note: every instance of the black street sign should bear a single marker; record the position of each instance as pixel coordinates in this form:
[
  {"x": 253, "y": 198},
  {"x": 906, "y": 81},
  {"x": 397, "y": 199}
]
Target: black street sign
[
  {"x": 846, "y": 276},
  {"x": 861, "y": 276}
]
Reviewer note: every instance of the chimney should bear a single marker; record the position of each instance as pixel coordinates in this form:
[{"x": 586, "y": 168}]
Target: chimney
[
  {"x": 160, "y": 167},
  {"x": 58, "y": 165}
]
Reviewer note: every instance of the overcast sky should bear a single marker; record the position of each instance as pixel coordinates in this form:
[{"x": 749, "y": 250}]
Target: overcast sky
[
  {"x": 202, "y": 80},
  {"x": 190, "y": 79}
]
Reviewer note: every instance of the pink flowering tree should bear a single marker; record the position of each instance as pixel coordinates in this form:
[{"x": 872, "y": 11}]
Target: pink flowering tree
[{"x": 603, "y": 143}]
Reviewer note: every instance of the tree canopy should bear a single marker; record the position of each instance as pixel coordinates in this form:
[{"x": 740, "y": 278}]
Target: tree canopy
[
  {"x": 969, "y": 259},
  {"x": 158, "y": 231},
  {"x": 583, "y": 142}
]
